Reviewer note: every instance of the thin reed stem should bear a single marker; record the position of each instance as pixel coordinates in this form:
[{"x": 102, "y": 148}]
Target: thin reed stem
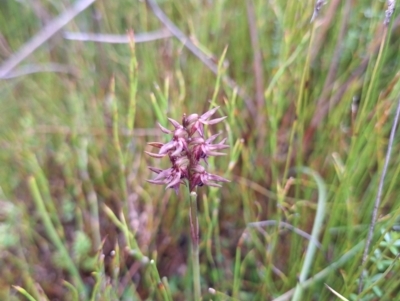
[
  {"x": 163, "y": 289},
  {"x": 317, "y": 226},
  {"x": 324, "y": 273},
  {"x": 298, "y": 123},
  {"x": 379, "y": 195},
  {"x": 54, "y": 237},
  {"x": 375, "y": 73}
]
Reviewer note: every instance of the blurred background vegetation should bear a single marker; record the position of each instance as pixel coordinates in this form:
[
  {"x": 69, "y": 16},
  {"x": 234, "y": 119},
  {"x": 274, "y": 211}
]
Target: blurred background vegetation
[{"x": 78, "y": 221}]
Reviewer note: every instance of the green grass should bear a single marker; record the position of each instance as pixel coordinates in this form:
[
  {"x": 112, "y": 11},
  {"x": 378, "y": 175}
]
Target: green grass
[{"x": 78, "y": 221}]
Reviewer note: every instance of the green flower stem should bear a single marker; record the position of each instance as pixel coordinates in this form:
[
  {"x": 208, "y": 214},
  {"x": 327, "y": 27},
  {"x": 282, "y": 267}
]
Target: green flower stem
[
  {"x": 74, "y": 292},
  {"x": 220, "y": 72},
  {"x": 133, "y": 79},
  {"x": 371, "y": 92},
  {"x": 122, "y": 225},
  {"x": 55, "y": 239},
  {"x": 194, "y": 230},
  {"x": 164, "y": 281},
  {"x": 236, "y": 272},
  {"x": 318, "y": 225},
  {"x": 221, "y": 296},
  {"x": 29, "y": 283},
  {"x": 44, "y": 186},
  {"x": 24, "y": 293},
  {"x": 162, "y": 286},
  {"x": 116, "y": 140},
  {"x": 134, "y": 250}
]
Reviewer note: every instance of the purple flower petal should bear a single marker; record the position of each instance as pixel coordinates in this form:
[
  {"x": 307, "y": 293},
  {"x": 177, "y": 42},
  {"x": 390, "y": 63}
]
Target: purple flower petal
[
  {"x": 164, "y": 130},
  {"x": 167, "y": 147},
  {"x": 208, "y": 114},
  {"x": 165, "y": 174},
  {"x": 156, "y": 182},
  {"x": 213, "y": 154},
  {"x": 215, "y": 146},
  {"x": 155, "y": 144},
  {"x": 197, "y": 140},
  {"x": 222, "y": 142},
  {"x": 155, "y": 169},
  {"x": 212, "y": 121},
  {"x": 175, "y": 123},
  {"x": 198, "y": 169},
  {"x": 175, "y": 180},
  {"x": 178, "y": 150},
  {"x": 191, "y": 118},
  {"x": 217, "y": 178},
  {"x": 155, "y": 155},
  {"x": 212, "y": 138}
]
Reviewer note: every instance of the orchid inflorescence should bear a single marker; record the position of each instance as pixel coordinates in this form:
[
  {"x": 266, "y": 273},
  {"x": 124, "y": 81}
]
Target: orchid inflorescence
[{"x": 187, "y": 147}]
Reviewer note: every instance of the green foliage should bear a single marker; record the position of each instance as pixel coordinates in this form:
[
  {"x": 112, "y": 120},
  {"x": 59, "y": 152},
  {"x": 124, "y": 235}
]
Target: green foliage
[{"x": 78, "y": 221}]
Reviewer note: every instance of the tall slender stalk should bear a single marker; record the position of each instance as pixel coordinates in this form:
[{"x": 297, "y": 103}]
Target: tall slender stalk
[
  {"x": 54, "y": 237},
  {"x": 194, "y": 231},
  {"x": 317, "y": 226},
  {"x": 379, "y": 196}
]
